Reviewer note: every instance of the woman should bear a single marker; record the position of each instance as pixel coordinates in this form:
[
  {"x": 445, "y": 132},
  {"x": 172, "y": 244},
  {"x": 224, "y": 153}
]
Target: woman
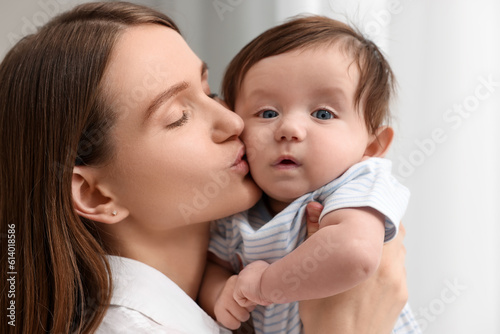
[{"x": 114, "y": 157}]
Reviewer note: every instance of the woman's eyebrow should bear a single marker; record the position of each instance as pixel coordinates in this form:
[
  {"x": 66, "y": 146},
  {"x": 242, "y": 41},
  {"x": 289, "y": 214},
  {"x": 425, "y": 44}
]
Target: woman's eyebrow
[{"x": 164, "y": 97}]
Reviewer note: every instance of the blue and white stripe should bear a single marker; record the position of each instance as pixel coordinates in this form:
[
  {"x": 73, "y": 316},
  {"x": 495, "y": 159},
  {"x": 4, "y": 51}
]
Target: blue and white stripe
[
  {"x": 256, "y": 235},
  {"x": 406, "y": 323}
]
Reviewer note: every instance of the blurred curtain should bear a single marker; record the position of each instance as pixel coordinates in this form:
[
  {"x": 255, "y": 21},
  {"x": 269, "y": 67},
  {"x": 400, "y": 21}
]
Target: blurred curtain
[{"x": 446, "y": 55}]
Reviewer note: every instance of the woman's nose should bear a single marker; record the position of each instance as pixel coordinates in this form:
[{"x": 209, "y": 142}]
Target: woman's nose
[
  {"x": 290, "y": 128},
  {"x": 227, "y": 125}
]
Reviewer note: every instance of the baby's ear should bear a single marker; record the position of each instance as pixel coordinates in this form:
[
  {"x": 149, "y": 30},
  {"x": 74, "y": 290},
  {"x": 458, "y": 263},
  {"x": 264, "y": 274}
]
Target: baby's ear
[{"x": 380, "y": 142}]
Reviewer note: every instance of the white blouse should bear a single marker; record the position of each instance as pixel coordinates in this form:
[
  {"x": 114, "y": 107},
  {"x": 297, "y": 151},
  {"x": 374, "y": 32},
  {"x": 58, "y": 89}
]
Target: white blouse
[{"x": 146, "y": 301}]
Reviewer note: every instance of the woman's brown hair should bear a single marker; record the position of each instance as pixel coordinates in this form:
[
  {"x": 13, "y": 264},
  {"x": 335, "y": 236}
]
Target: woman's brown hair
[
  {"x": 376, "y": 83},
  {"x": 53, "y": 115}
]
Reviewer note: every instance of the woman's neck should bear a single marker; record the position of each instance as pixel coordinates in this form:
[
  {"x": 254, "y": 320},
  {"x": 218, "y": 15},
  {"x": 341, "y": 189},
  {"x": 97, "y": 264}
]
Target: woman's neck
[{"x": 178, "y": 253}]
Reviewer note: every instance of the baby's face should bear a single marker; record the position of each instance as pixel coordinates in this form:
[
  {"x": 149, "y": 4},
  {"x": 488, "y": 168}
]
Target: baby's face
[{"x": 301, "y": 127}]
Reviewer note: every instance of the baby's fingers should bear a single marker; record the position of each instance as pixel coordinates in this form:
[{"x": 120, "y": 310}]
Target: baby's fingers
[
  {"x": 231, "y": 315},
  {"x": 240, "y": 313},
  {"x": 243, "y": 301},
  {"x": 230, "y": 322},
  {"x": 247, "y": 303},
  {"x": 232, "y": 319}
]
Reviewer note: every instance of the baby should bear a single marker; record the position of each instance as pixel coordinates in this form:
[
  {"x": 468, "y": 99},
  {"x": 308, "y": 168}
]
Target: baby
[{"x": 314, "y": 96}]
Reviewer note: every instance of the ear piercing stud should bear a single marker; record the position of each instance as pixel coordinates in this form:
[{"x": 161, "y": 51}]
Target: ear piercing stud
[{"x": 114, "y": 213}]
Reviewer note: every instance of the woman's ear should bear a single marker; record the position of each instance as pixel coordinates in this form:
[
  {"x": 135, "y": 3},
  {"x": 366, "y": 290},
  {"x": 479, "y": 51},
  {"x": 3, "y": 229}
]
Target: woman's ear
[
  {"x": 92, "y": 200},
  {"x": 380, "y": 143}
]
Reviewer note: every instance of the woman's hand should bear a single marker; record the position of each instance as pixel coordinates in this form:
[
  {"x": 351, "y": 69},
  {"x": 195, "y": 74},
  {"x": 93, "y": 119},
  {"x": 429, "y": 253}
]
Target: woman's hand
[
  {"x": 313, "y": 211},
  {"x": 371, "y": 307}
]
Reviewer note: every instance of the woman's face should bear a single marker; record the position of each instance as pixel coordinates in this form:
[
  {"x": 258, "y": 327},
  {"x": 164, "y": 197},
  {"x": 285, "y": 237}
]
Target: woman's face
[{"x": 177, "y": 154}]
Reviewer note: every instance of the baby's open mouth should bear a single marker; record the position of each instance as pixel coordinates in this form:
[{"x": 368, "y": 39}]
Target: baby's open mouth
[{"x": 287, "y": 162}]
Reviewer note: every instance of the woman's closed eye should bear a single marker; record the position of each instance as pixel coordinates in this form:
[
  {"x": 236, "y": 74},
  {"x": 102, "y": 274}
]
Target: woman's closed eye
[{"x": 180, "y": 122}]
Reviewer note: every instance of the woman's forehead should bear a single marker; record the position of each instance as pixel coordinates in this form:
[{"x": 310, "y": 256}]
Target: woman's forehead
[
  {"x": 145, "y": 60},
  {"x": 151, "y": 49}
]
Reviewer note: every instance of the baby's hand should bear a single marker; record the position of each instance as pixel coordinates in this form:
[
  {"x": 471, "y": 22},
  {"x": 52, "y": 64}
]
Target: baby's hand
[
  {"x": 247, "y": 291},
  {"x": 227, "y": 311}
]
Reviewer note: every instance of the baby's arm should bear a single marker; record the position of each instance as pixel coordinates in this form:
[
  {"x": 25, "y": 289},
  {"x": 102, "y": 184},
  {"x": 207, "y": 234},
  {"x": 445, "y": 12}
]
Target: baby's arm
[
  {"x": 216, "y": 294},
  {"x": 372, "y": 306},
  {"x": 344, "y": 252}
]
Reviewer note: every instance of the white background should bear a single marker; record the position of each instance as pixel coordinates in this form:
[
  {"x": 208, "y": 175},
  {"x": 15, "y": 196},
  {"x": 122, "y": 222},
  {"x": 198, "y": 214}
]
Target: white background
[{"x": 442, "y": 52}]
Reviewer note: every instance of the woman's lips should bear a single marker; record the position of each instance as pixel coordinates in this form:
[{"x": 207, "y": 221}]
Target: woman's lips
[{"x": 240, "y": 163}]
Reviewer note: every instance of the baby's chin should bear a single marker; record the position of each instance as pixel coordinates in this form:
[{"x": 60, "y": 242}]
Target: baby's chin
[
  {"x": 276, "y": 203},
  {"x": 278, "y": 199}
]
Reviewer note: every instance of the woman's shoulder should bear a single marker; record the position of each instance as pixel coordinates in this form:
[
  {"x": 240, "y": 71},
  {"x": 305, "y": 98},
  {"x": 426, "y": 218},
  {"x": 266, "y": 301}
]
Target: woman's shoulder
[
  {"x": 146, "y": 301},
  {"x": 123, "y": 320}
]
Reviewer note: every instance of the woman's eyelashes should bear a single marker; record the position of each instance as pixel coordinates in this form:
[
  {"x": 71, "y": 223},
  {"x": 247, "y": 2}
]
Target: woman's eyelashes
[
  {"x": 185, "y": 116},
  {"x": 181, "y": 121}
]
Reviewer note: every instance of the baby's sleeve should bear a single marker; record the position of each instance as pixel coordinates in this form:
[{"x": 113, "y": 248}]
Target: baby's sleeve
[
  {"x": 371, "y": 184},
  {"x": 225, "y": 240}
]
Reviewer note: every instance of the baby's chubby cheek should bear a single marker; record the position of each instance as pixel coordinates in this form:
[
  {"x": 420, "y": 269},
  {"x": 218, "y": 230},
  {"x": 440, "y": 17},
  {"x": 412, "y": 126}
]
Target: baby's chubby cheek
[{"x": 256, "y": 142}]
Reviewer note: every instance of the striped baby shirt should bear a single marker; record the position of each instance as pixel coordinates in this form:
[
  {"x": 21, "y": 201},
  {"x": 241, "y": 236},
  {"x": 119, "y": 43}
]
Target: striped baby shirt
[{"x": 256, "y": 235}]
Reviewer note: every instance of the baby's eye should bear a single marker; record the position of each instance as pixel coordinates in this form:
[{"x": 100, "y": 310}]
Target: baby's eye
[
  {"x": 268, "y": 114},
  {"x": 322, "y": 114}
]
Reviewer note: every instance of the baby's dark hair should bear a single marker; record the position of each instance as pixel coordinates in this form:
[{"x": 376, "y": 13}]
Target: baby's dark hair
[{"x": 376, "y": 83}]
